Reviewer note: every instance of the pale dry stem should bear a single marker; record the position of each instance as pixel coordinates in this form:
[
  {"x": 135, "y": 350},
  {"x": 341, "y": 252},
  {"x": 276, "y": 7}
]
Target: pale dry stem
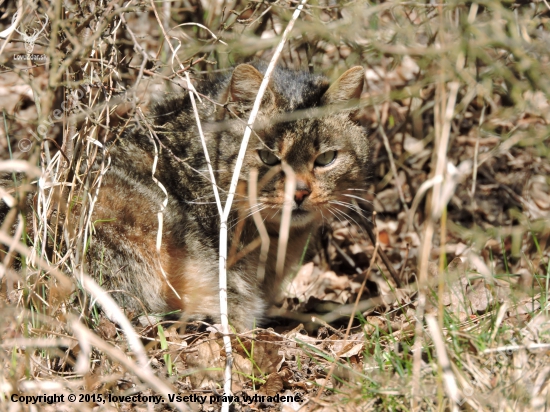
[
  {"x": 443, "y": 118},
  {"x": 290, "y": 188},
  {"x": 443, "y": 360},
  {"x": 142, "y": 372},
  {"x": 229, "y": 202},
  {"x": 264, "y": 236}
]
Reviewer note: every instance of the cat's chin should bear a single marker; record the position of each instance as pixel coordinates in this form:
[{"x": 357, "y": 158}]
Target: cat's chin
[{"x": 301, "y": 218}]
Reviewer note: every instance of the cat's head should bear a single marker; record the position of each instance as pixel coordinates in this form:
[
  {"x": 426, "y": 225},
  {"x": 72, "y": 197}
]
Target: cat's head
[{"x": 305, "y": 133}]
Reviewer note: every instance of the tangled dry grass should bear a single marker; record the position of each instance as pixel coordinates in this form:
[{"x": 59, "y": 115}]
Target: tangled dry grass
[{"x": 457, "y": 101}]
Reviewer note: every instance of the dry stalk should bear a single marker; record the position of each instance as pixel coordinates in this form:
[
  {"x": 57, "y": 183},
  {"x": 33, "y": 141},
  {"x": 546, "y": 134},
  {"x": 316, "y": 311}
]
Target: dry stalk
[
  {"x": 264, "y": 236},
  {"x": 6, "y": 34},
  {"x": 229, "y": 202},
  {"x": 233, "y": 185},
  {"x": 115, "y": 314},
  {"x": 392, "y": 161},
  {"x": 443, "y": 360},
  {"x": 443, "y": 116},
  {"x": 192, "y": 93},
  {"x": 476, "y": 154},
  {"x": 144, "y": 373},
  {"x": 160, "y": 214},
  {"x": 111, "y": 309},
  {"x": 290, "y": 188}
]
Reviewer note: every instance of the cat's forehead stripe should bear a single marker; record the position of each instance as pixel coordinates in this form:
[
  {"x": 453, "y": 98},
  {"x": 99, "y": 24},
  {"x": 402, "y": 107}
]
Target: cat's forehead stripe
[
  {"x": 312, "y": 134},
  {"x": 306, "y": 89}
]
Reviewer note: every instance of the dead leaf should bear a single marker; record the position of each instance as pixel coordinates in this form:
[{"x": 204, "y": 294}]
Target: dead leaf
[
  {"x": 479, "y": 297},
  {"x": 106, "y": 328},
  {"x": 266, "y": 352},
  {"x": 205, "y": 356},
  {"x": 273, "y": 384}
]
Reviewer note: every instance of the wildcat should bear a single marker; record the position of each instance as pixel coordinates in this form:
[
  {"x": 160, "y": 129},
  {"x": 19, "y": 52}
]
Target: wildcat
[{"x": 329, "y": 155}]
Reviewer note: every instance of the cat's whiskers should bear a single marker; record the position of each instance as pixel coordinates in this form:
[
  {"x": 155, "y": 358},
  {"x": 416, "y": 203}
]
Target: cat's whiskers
[
  {"x": 334, "y": 214},
  {"x": 348, "y": 206},
  {"x": 356, "y": 208},
  {"x": 341, "y": 213},
  {"x": 254, "y": 208},
  {"x": 257, "y": 205},
  {"x": 357, "y": 189},
  {"x": 276, "y": 211},
  {"x": 346, "y": 215},
  {"x": 197, "y": 201},
  {"x": 358, "y": 198},
  {"x": 342, "y": 192},
  {"x": 321, "y": 210},
  {"x": 259, "y": 208}
]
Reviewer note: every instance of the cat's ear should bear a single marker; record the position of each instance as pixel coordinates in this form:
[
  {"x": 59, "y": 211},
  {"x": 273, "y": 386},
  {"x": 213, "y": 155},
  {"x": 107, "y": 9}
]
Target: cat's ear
[
  {"x": 348, "y": 86},
  {"x": 244, "y": 85}
]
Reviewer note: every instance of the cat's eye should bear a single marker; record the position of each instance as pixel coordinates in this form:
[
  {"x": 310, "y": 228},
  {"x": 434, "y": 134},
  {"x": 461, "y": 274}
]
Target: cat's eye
[
  {"x": 324, "y": 159},
  {"x": 268, "y": 157}
]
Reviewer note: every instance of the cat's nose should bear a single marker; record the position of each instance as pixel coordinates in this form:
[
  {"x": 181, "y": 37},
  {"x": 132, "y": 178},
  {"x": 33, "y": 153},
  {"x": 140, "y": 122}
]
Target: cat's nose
[
  {"x": 302, "y": 191},
  {"x": 300, "y": 196}
]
